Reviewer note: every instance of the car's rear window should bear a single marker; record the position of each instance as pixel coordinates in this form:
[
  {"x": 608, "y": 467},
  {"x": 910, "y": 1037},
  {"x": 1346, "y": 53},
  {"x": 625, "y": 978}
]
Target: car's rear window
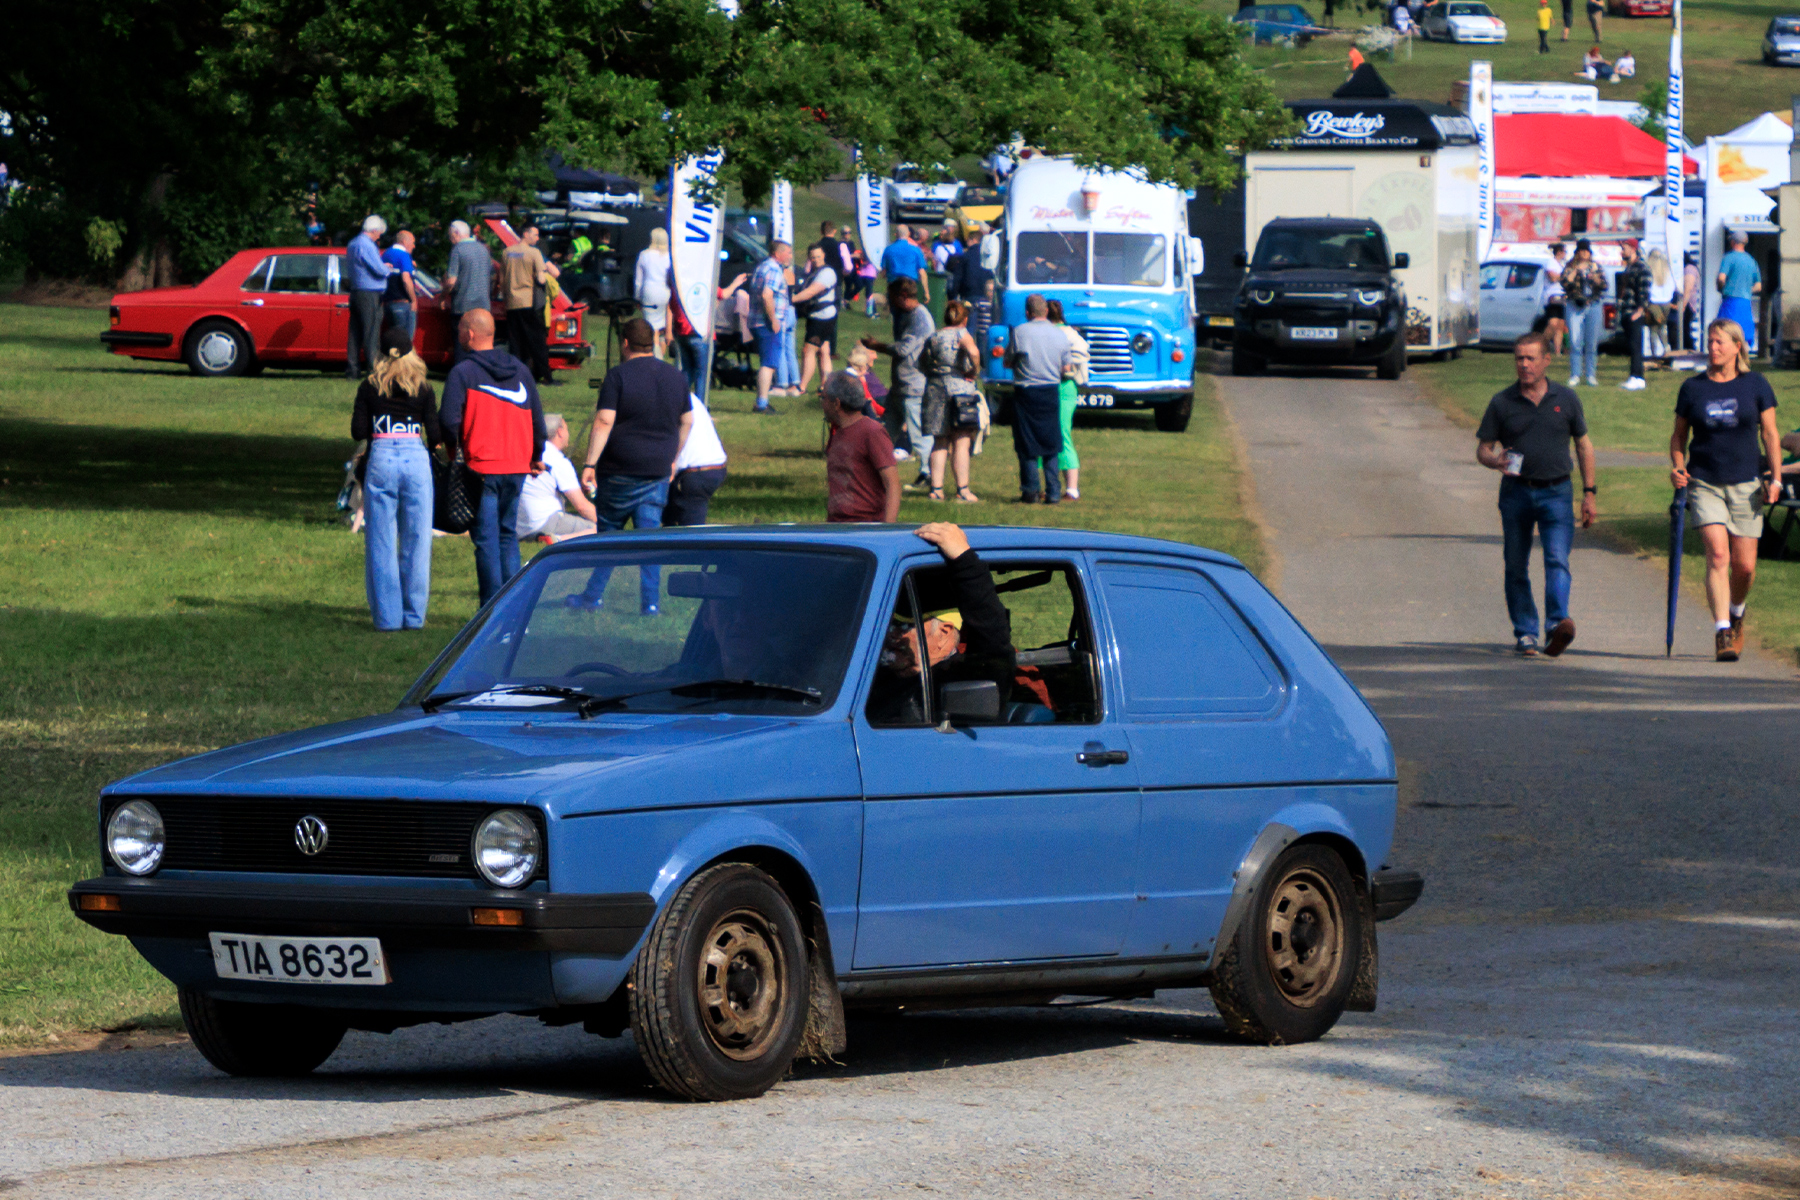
[{"x": 1785, "y": 25}]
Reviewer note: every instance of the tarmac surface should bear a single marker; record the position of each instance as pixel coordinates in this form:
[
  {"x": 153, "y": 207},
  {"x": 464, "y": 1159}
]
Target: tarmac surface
[{"x": 1595, "y": 998}]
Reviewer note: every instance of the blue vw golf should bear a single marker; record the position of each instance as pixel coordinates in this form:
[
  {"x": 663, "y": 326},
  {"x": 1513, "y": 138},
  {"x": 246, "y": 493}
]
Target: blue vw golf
[{"x": 838, "y": 768}]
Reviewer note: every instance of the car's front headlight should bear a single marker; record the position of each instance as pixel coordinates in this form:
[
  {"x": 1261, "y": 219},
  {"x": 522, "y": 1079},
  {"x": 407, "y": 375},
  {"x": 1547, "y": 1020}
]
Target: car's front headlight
[
  {"x": 1371, "y": 298},
  {"x": 1141, "y": 344},
  {"x": 507, "y": 848},
  {"x": 1263, "y": 296},
  {"x": 134, "y": 837}
]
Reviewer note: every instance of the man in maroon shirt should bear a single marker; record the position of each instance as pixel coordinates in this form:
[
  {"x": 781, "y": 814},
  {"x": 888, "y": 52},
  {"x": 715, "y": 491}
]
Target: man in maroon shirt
[{"x": 861, "y": 481}]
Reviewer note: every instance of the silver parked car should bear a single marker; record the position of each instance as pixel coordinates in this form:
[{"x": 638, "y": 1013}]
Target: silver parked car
[
  {"x": 1512, "y": 298},
  {"x": 1781, "y": 44}
]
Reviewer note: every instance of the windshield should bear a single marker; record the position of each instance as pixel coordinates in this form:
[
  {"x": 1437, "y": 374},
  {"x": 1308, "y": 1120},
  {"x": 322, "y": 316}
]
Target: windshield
[
  {"x": 980, "y": 197},
  {"x": 1321, "y": 249},
  {"x": 781, "y": 620},
  {"x": 1131, "y": 259},
  {"x": 1471, "y": 10},
  {"x": 1788, "y": 25},
  {"x": 1052, "y": 257}
]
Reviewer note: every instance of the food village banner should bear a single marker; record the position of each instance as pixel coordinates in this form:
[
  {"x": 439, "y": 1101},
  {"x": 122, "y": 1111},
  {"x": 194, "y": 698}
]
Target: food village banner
[
  {"x": 871, "y": 212},
  {"x": 781, "y": 216},
  {"x": 1481, "y": 112},
  {"x": 696, "y": 233},
  {"x": 1672, "y": 238}
]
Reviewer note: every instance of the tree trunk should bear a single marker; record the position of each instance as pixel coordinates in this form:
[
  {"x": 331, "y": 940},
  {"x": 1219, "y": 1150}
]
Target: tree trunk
[{"x": 152, "y": 264}]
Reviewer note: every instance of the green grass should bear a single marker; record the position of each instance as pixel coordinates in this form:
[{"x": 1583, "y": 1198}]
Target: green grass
[
  {"x": 1727, "y": 83},
  {"x": 173, "y": 578},
  {"x": 1634, "y": 500}
]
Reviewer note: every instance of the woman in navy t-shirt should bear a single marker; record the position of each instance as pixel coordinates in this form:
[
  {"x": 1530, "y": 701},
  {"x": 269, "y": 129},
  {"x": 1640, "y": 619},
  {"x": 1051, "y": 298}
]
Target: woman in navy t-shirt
[{"x": 1722, "y": 411}]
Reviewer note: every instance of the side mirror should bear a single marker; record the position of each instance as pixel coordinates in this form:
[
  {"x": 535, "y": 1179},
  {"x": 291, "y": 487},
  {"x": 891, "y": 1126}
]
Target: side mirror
[
  {"x": 1240, "y": 260},
  {"x": 1196, "y": 257},
  {"x": 1401, "y": 260},
  {"x": 969, "y": 700}
]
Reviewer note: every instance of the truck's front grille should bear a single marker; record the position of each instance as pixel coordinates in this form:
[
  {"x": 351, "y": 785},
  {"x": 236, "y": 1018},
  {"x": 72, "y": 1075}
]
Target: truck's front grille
[
  {"x": 421, "y": 838},
  {"x": 1109, "y": 349}
]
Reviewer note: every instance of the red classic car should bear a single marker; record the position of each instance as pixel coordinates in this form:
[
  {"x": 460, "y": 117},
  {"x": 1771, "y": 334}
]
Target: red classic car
[
  {"x": 1640, "y": 8},
  {"x": 290, "y": 306}
]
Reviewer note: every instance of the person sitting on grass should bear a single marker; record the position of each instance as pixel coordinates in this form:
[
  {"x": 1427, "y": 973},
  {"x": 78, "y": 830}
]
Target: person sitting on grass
[
  {"x": 1594, "y": 65},
  {"x": 541, "y": 513}
]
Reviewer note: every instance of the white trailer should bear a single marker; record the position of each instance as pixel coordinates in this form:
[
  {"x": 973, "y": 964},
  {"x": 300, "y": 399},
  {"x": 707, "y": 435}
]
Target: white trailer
[{"x": 1408, "y": 165}]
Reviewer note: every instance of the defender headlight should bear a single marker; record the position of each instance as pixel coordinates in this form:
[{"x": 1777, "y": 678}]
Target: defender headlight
[
  {"x": 1263, "y": 296},
  {"x": 507, "y": 848},
  {"x": 1141, "y": 344},
  {"x": 1371, "y": 298},
  {"x": 134, "y": 837}
]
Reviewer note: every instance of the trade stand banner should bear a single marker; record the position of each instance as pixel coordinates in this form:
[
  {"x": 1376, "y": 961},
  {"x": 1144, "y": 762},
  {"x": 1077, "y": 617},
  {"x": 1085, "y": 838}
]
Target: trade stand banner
[
  {"x": 871, "y": 212},
  {"x": 1481, "y": 112},
  {"x": 696, "y": 234},
  {"x": 781, "y": 212}
]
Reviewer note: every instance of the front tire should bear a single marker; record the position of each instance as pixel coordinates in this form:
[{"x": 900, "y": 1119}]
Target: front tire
[
  {"x": 259, "y": 1039},
  {"x": 1289, "y": 969},
  {"x": 217, "y": 349},
  {"x": 1245, "y": 363},
  {"x": 1393, "y": 363},
  {"x": 718, "y": 993},
  {"x": 1174, "y": 415}
]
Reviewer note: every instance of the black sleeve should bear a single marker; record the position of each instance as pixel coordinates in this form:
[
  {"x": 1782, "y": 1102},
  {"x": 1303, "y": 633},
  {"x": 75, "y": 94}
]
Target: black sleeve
[
  {"x": 610, "y": 387},
  {"x": 361, "y": 419},
  {"x": 450, "y": 418},
  {"x": 987, "y": 626},
  {"x": 1490, "y": 425},
  {"x": 537, "y": 421},
  {"x": 434, "y": 432}
]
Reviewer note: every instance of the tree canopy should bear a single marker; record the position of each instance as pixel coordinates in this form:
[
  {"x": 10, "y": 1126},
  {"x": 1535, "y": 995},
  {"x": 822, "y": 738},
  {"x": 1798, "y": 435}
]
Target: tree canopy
[{"x": 204, "y": 120}]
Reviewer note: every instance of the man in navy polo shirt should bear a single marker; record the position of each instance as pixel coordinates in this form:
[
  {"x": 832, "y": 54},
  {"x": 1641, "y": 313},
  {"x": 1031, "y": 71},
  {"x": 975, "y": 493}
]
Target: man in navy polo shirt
[{"x": 1525, "y": 436}]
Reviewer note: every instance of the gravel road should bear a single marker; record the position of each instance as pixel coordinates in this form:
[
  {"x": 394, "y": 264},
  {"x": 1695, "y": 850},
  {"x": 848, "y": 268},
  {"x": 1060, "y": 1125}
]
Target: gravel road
[{"x": 1596, "y": 998}]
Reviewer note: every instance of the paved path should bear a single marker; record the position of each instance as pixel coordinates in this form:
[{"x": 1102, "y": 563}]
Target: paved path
[{"x": 1595, "y": 999}]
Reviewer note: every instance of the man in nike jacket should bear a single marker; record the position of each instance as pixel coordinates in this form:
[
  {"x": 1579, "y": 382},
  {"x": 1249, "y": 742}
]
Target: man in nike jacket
[{"x": 492, "y": 412}]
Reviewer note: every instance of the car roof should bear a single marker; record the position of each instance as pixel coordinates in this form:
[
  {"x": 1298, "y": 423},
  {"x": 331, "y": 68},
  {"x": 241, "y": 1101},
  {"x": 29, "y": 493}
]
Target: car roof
[
  {"x": 893, "y": 540},
  {"x": 1322, "y": 223}
]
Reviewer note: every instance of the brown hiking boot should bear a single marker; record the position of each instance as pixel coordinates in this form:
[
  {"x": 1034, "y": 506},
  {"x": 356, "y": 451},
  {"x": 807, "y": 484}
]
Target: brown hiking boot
[
  {"x": 1725, "y": 646},
  {"x": 1560, "y": 636},
  {"x": 1737, "y": 635}
]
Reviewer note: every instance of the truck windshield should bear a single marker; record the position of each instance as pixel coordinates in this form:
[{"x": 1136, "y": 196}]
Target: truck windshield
[
  {"x": 1321, "y": 250},
  {"x": 777, "y": 625},
  {"x": 1131, "y": 259},
  {"x": 1054, "y": 257}
]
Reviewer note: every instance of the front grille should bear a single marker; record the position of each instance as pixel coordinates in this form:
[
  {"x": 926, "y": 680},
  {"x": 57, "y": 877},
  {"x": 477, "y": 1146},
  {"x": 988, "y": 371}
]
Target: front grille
[
  {"x": 1109, "y": 349},
  {"x": 1340, "y": 297},
  {"x": 417, "y": 838}
]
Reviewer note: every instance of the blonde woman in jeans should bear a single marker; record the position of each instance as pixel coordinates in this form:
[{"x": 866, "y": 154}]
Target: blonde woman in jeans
[
  {"x": 1723, "y": 410},
  {"x": 1068, "y": 400}
]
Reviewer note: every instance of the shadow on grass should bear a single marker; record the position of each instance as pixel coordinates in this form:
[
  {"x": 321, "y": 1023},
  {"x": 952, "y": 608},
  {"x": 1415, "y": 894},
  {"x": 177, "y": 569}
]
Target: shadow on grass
[{"x": 93, "y": 467}]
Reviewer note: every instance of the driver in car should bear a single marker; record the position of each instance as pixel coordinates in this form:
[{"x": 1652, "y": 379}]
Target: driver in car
[{"x": 969, "y": 639}]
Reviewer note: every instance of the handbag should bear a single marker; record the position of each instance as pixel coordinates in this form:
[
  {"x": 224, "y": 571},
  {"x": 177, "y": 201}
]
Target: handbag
[{"x": 452, "y": 500}]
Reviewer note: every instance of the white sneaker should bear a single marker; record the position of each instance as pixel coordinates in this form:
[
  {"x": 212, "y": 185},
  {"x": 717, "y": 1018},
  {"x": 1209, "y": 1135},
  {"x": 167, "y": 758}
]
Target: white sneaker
[
  {"x": 1593, "y": 381},
  {"x": 1634, "y": 384},
  {"x": 900, "y": 455},
  {"x": 1574, "y": 381}
]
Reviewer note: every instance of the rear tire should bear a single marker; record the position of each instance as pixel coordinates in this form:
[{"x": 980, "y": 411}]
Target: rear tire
[
  {"x": 1173, "y": 416},
  {"x": 719, "y": 991},
  {"x": 259, "y": 1039},
  {"x": 217, "y": 348},
  {"x": 1289, "y": 969},
  {"x": 1245, "y": 363}
]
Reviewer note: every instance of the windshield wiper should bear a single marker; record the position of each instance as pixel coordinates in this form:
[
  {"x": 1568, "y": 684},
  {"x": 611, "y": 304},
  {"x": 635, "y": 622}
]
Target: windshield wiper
[{"x": 746, "y": 687}]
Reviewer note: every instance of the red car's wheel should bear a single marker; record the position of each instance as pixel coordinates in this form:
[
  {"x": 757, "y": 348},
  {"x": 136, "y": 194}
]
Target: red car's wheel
[{"x": 218, "y": 347}]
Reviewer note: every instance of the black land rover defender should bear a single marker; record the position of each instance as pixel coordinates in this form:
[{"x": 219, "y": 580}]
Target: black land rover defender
[{"x": 1320, "y": 292}]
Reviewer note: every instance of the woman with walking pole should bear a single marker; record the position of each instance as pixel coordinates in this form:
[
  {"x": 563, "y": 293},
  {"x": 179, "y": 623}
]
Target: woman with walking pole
[{"x": 1714, "y": 454}]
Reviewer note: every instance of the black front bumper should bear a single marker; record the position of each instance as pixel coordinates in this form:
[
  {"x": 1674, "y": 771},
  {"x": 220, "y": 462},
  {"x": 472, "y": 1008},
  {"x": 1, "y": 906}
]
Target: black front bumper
[
  {"x": 126, "y": 337},
  {"x": 403, "y": 917},
  {"x": 1393, "y": 892},
  {"x": 1358, "y": 342}
]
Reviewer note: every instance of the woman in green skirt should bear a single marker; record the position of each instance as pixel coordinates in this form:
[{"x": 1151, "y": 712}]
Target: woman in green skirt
[{"x": 1069, "y": 462}]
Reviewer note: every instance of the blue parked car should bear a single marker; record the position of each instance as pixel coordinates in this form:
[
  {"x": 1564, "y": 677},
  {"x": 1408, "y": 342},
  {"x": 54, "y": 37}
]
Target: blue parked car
[
  {"x": 842, "y": 768},
  {"x": 1274, "y": 22}
]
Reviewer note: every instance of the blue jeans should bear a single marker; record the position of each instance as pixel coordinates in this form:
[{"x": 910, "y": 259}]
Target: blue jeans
[
  {"x": 1028, "y": 478},
  {"x": 397, "y": 511},
  {"x": 640, "y": 500},
  {"x": 496, "y": 533},
  {"x": 787, "y": 367},
  {"x": 400, "y": 315},
  {"x": 696, "y": 358},
  {"x": 1551, "y": 511},
  {"x": 1585, "y": 331}
]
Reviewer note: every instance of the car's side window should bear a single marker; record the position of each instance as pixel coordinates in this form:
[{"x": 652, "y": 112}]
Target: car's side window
[
  {"x": 1490, "y": 276},
  {"x": 1523, "y": 275},
  {"x": 299, "y": 273},
  {"x": 258, "y": 280},
  {"x": 1184, "y": 651},
  {"x": 1054, "y": 677}
]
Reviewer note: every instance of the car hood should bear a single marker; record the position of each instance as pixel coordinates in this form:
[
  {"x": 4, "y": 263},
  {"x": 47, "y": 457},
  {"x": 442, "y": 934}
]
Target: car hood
[
  {"x": 1288, "y": 281},
  {"x": 926, "y": 191},
  {"x": 1478, "y": 22},
  {"x": 553, "y": 759}
]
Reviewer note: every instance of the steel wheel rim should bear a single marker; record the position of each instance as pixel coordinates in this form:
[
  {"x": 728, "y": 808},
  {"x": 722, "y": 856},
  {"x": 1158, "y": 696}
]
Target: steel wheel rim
[
  {"x": 742, "y": 984},
  {"x": 217, "y": 350},
  {"x": 1304, "y": 945}
]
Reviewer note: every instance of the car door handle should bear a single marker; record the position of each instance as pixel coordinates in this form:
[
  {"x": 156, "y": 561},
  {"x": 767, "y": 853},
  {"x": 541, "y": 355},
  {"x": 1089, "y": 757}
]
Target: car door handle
[
  {"x": 343, "y": 304},
  {"x": 251, "y": 303},
  {"x": 1103, "y": 758}
]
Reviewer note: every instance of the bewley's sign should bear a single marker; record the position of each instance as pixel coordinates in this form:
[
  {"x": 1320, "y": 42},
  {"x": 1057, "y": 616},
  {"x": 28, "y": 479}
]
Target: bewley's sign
[{"x": 1371, "y": 124}]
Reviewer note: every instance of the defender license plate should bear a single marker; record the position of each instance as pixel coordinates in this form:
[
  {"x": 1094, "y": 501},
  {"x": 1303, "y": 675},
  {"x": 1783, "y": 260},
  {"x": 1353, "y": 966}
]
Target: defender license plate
[
  {"x": 1225, "y": 321},
  {"x": 1094, "y": 400},
  {"x": 1314, "y": 333},
  {"x": 356, "y": 961}
]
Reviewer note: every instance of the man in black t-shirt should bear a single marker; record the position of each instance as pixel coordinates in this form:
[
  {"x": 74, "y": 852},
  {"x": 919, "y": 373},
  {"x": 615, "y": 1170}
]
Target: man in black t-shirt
[
  {"x": 1525, "y": 435},
  {"x": 640, "y": 424}
]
